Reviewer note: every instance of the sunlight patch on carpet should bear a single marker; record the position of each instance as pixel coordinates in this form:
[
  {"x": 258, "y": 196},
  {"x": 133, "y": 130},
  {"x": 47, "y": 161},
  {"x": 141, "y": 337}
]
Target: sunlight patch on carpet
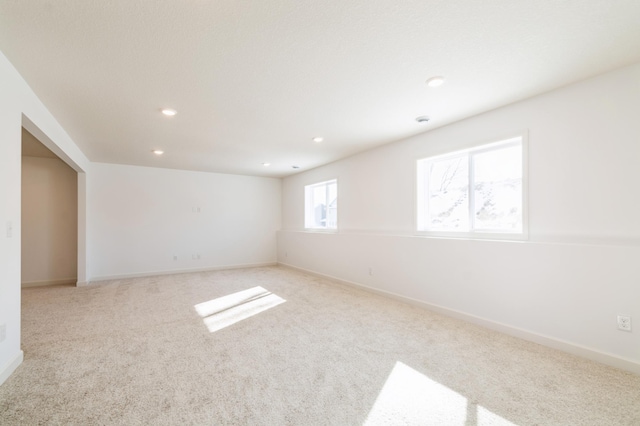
[
  {"x": 408, "y": 397},
  {"x": 228, "y": 310}
]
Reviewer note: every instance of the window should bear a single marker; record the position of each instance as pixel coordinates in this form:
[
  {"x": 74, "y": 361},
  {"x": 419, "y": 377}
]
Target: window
[
  {"x": 321, "y": 205},
  {"x": 479, "y": 190}
]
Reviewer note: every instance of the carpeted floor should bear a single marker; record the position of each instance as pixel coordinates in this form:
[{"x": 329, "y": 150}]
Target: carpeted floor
[{"x": 304, "y": 351}]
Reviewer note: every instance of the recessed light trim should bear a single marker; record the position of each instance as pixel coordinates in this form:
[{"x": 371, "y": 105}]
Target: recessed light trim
[
  {"x": 318, "y": 139},
  {"x": 423, "y": 119},
  {"x": 169, "y": 112},
  {"x": 266, "y": 164},
  {"x": 157, "y": 151},
  {"x": 435, "y": 81}
]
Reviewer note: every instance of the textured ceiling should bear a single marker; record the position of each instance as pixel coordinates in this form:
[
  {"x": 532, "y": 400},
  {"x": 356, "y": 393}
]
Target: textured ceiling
[{"x": 255, "y": 81}]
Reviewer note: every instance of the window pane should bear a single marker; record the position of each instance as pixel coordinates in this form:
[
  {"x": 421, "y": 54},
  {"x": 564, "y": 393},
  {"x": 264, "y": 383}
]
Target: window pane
[
  {"x": 321, "y": 205},
  {"x": 498, "y": 189},
  {"x": 448, "y": 199},
  {"x": 332, "y": 205}
]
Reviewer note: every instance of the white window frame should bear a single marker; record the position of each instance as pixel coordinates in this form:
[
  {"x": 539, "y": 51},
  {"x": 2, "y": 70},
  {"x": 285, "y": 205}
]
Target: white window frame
[
  {"x": 422, "y": 202},
  {"x": 308, "y": 206}
]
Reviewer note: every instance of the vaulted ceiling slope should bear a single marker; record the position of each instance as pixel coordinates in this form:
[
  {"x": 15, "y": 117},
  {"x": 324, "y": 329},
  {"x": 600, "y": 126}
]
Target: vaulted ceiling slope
[{"x": 254, "y": 81}]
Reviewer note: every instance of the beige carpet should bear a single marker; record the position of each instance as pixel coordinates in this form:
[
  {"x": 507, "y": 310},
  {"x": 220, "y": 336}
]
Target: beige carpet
[{"x": 305, "y": 351}]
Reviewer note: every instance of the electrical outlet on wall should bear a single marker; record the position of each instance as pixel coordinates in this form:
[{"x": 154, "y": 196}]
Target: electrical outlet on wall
[{"x": 624, "y": 322}]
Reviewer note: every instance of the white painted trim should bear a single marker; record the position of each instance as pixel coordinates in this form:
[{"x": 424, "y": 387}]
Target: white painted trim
[
  {"x": 175, "y": 271},
  {"x": 82, "y": 227},
  {"x": 8, "y": 369},
  {"x": 562, "y": 345},
  {"x": 49, "y": 282},
  {"x": 537, "y": 239}
]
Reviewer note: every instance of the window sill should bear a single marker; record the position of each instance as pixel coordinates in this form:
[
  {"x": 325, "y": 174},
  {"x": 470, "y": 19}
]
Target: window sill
[
  {"x": 482, "y": 236},
  {"x": 320, "y": 231}
]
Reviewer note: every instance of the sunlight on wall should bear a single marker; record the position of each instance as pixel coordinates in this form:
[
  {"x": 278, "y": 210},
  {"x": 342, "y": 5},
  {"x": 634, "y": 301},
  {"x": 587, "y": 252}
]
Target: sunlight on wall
[
  {"x": 411, "y": 398},
  {"x": 228, "y": 310}
]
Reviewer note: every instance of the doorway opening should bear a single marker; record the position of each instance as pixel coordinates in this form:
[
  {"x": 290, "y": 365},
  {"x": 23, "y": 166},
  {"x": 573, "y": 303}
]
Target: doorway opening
[{"x": 49, "y": 216}]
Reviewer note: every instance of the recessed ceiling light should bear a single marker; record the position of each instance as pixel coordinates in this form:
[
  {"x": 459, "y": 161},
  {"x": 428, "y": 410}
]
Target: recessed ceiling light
[
  {"x": 158, "y": 151},
  {"x": 423, "y": 119},
  {"x": 318, "y": 139},
  {"x": 266, "y": 164},
  {"x": 435, "y": 81},
  {"x": 295, "y": 167},
  {"x": 169, "y": 112}
]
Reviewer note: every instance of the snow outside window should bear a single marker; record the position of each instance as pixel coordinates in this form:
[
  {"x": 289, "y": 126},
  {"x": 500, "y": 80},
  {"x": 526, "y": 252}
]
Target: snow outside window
[
  {"x": 475, "y": 191},
  {"x": 321, "y": 205}
]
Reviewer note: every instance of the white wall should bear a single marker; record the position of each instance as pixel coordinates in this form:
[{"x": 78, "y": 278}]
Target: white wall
[
  {"x": 139, "y": 218},
  {"x": 131, "y": 220},
  {"x": 20, "y": 107},
  {"x": 49, "y": 222},
  {"x": 563, "y": 287}
]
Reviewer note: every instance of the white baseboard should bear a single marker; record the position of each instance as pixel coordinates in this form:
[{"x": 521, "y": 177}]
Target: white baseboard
[
  {"x": 552, "y": 342},
  {"x": 8, "y": 369},
  {"x": 49, "y": 282},
  {"x": 175, "y": 271}
]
